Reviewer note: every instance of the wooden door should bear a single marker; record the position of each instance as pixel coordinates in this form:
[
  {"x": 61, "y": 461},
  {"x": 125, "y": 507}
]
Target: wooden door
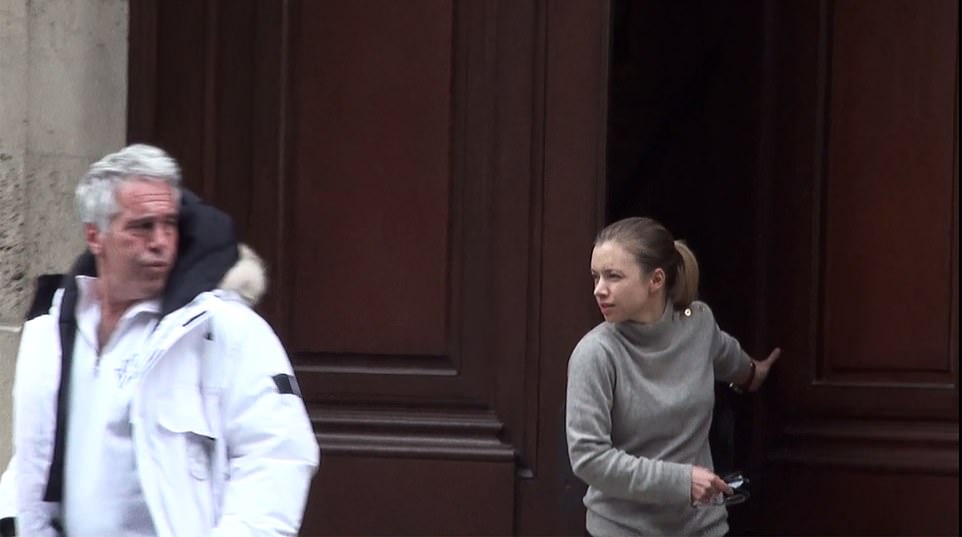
[
  {"x": 863, "y": 271},
  {"x": 424, "y": 179}
]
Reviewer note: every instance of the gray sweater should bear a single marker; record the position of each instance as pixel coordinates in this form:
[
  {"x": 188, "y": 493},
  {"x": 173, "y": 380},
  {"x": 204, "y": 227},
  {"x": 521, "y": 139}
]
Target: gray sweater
[{"x": 639, "y": 407}]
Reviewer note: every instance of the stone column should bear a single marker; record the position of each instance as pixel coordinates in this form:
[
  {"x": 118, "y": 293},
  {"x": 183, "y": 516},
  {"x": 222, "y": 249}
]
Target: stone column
[{"x": 63, "y": 105}]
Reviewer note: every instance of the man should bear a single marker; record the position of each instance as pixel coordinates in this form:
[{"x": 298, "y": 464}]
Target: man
[{"x": 145, "y": 403}]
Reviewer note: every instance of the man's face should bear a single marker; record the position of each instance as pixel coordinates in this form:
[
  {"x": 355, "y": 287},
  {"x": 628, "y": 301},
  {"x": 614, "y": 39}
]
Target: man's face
[{"x": 139, "y": 248}]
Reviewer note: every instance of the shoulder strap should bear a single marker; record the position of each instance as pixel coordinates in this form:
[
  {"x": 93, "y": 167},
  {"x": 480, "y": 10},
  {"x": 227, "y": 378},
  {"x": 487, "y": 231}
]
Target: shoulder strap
[
  {"x": 67, "y": 323},
  {"x": 46, "y": 288}
]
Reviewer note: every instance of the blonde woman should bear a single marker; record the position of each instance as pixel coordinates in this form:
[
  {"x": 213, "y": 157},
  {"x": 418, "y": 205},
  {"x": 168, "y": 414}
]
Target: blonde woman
[{"x": 640, "y": 389}]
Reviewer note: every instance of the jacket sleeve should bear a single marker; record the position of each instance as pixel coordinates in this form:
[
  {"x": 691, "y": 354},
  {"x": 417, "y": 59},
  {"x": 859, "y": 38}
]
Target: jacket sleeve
[
  {"x": 34, "y": 420},
  {"x": 594, "y": 458},
  {"x": 272, "y": 452},
  {"x": 8, "y": 493}
]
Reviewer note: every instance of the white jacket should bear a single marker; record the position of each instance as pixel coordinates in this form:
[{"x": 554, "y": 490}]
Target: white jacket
[{"x": 223, "y": 448}]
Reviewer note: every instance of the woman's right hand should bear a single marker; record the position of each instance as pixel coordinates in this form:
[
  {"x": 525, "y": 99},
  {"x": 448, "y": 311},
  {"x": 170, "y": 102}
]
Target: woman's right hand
[{"x": 705, "y": 485}]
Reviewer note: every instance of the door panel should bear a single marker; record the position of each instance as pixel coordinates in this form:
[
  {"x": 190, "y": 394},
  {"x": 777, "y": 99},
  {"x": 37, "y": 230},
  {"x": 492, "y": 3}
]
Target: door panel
[
  {"x": 889, "y": 193},
  {"x": 371, "y": 120}
]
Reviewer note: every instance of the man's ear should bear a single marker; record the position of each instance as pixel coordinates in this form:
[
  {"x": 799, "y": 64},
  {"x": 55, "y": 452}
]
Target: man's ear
[
  {"x": 657, "y": 279},
  {"x": 94, "y": 239}
]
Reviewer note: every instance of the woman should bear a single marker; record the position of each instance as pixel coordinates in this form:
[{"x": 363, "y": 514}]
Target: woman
[{"x": 640, "y": 389}]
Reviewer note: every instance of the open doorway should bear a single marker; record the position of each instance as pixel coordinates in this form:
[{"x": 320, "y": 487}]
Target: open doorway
[{"x": 683, "y": 147}]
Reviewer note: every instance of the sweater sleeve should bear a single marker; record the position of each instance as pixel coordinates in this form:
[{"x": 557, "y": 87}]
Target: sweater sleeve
[
  {"x": 730, "y": 362},
  {"x": 594, "y": 458}
]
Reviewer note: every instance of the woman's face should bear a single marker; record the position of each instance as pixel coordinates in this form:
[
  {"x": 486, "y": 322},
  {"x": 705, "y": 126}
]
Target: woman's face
[{"x": 622, "y": 290}]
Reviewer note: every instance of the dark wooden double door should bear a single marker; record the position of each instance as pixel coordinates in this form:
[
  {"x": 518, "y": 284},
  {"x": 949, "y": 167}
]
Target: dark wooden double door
[{"x": 425, "y": 179}]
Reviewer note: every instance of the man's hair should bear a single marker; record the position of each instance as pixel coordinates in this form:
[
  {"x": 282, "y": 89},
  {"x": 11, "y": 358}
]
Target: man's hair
[{"x": 96, "y": 196}]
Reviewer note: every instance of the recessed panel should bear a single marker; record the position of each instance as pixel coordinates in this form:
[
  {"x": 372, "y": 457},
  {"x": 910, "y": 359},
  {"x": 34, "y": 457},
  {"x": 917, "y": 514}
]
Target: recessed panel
[
  {"x": 371, "y": 117},
  {"x": 888, "y": 200}
]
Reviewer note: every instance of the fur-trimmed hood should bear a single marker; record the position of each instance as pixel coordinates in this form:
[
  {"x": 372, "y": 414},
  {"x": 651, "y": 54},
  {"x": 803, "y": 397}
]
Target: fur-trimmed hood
[{"x": 248, "y": 277}]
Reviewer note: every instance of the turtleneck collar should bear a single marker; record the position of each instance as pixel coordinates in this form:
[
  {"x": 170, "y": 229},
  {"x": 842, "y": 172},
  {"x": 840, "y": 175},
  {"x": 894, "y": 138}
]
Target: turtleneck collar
[{"x": 648, "y": 334}]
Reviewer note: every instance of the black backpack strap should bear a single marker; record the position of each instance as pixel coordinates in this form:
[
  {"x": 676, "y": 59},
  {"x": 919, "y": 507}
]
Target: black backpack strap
[
  {"x": 67, "y": 324},
  {"x": 68, "y": 331},
  {"x": 46, "y": 287}
]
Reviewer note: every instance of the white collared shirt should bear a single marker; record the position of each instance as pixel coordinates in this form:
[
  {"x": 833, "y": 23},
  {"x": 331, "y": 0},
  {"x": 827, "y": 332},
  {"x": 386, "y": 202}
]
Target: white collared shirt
[{"x": 102, "y": 490}]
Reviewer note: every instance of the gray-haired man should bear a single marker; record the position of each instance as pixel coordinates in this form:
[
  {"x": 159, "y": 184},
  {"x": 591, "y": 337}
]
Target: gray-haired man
[{"x": 147, "y": 402}]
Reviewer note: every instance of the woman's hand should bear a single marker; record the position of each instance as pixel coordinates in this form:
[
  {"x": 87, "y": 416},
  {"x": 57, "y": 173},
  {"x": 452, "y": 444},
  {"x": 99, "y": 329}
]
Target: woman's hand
[
  {"x": 762, "y": 369},
  {"x": 705, "y": 485}
]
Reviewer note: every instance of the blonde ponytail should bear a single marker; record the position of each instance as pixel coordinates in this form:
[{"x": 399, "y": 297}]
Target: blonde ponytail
[{"x": 686, "y": 281}]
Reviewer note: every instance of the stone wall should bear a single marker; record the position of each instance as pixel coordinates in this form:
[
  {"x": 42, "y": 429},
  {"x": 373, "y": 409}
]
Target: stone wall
[{"x": 63, "y": 95}]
